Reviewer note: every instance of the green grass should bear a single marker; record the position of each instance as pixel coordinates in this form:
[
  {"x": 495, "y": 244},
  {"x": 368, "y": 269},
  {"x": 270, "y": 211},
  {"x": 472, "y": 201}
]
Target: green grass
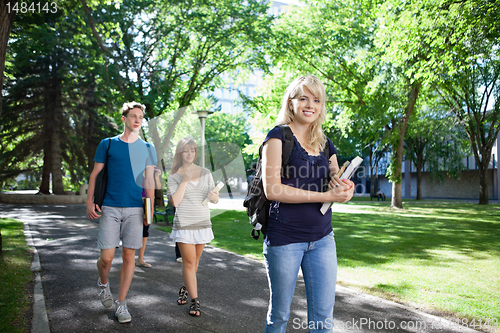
[
  {"x": 15, "y": 276},
  {"x": 232, "y": 232},
  {"x": 444, "y": 257}
]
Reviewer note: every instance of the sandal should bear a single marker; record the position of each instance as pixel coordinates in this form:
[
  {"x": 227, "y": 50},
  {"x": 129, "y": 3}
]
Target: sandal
[
  {"x": 183, "y": 296},
  {"x": 195, "y": 307}
]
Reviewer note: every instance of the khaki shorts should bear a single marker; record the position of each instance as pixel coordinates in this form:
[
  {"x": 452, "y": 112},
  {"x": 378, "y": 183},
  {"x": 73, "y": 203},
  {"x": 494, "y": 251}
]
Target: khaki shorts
[{"x": 123, "y": 223}]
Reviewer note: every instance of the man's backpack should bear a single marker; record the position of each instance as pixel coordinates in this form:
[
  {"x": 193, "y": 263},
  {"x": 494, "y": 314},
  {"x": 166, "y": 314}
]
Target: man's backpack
[{"x": 256, "y": 202}]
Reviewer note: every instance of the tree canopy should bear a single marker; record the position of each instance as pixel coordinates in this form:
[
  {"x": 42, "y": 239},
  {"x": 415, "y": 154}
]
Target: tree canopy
[
  {"x": 377, "y": 57},
  {"x": 383, "y": 64},
  {"x": 89, "y": 57}
]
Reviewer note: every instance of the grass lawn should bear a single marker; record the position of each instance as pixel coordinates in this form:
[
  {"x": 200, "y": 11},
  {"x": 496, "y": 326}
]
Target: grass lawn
[
  {"x": 15, "y": 275},
  {"x": 444, "y": 257}
]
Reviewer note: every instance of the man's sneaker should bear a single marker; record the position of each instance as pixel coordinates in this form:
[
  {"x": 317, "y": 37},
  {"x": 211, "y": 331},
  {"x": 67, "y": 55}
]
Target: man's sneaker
[
  {"x": 122, "y": 313},
  {"x": 105, "y": 295},
  {"x": 179, "y": 259}
]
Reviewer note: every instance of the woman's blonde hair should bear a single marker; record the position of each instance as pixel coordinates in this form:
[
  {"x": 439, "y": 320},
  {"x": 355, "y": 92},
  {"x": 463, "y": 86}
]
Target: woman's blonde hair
[
  {"x": 178, "y": 153},
  {"x": 315, "y": 137}
]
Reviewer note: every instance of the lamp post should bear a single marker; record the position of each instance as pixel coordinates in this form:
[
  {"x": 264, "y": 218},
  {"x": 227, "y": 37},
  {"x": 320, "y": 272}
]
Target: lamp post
[{"x": 202, "y": 115}]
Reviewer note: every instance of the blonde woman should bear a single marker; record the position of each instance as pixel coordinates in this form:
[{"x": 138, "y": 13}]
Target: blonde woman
[
  {"x": 298, "y": 235},
  {"x": 188, "y": 186}
]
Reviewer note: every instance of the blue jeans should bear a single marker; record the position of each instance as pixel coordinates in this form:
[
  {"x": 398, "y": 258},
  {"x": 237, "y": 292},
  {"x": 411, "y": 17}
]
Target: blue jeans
[{"x": 318, "y": 261}]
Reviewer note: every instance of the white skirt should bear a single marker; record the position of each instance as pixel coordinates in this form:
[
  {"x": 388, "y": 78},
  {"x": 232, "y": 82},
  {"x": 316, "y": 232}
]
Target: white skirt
[{"x": 197, "y": 236}]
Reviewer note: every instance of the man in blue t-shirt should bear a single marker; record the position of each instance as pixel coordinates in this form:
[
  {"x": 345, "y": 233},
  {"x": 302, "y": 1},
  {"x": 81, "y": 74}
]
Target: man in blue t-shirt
[{"x": 122, "y": 214}]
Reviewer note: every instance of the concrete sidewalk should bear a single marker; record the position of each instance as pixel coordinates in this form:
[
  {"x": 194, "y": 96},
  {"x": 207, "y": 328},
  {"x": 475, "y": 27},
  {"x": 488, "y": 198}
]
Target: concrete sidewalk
[{"x": 233, "y": 289}]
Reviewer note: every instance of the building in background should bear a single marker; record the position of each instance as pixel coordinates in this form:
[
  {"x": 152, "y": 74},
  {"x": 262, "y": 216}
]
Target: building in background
[
  {"x": 228, "y": 98},
  {"x": 467, "y": 187}
]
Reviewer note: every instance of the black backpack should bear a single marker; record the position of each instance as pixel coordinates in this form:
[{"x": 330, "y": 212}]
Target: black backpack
[{"x": 256, "y": 202}]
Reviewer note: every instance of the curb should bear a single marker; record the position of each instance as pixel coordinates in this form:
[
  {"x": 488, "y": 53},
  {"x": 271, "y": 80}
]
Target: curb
[
  {"x": 40, "y": 323},
  {"x": 30, "y": 199}
]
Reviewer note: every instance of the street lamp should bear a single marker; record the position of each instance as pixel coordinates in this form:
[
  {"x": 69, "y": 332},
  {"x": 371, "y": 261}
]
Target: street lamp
[{"x": 202, "y": 114}]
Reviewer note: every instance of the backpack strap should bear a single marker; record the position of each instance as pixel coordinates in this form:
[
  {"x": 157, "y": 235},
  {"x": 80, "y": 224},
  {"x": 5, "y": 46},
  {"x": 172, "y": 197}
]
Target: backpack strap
[
  {"x": 326, "y": 152},
  {"x": 287, "y": 150},
  {"x": 107, "y": 152}
]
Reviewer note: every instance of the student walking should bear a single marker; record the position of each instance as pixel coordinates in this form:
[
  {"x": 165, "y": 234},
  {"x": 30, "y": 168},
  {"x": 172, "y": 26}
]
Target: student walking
[
  {"x": 121, "y": 214},
  {"x": 298, "y": 235},
  {"x": 188, "y": 186}
]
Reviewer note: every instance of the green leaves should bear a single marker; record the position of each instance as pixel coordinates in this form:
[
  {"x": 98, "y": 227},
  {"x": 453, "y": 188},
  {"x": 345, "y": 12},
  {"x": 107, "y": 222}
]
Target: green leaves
[
  {"x": 54, "y": 97},
  {"x": 102, "y": 53},
  {"x": 167, "y": 52}
]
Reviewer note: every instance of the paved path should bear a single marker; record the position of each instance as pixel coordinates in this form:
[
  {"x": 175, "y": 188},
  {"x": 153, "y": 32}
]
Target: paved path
[{"x": 233, "y": 289}]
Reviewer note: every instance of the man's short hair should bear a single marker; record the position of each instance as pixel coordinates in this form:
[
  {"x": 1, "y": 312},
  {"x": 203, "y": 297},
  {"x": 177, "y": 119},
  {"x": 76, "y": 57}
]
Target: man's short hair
[{"x": 132, "y": 105}]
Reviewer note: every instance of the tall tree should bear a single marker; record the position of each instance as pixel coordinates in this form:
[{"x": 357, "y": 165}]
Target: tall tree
[
  {"x": 7, "y": 15},
  {"x": 165, "y": 53},
  {"x": 434, "y": 140},
  {"x": 373, "y": 139},
  {"x": 470, "y": 83},
  {"x": 462, "y": 61},
  {"x": 230, "y": 128},
  {"x": 32, "y": 118},
  {"x": 44, "y": 102}
]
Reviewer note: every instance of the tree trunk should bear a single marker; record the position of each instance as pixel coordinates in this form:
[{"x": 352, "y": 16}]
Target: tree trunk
[
  {"x": 482, "y": 164},
  {"x": 52, "y": 164},
  {"x": 56, "y": 163},
  {"x": 90, "y": 136},
  {"x": 419, "y": 178},
  {"x": 6, "y": 20},
  {"x": 224, "y": 175},
  {"x": 483, "y": 187},
  {"x": 89, "y": 131},
  {"x": 482, "y": 156},
  {"x": 372, "y": 176},
  {"x": 45, "y": 182},
  {"x": 372, "y": 185},
  {"x": 159, "y": 199},
  {"x": 162, "y": 143},
  {"x": 397, "y": 199},
  {"x": 419, "y": 184}
]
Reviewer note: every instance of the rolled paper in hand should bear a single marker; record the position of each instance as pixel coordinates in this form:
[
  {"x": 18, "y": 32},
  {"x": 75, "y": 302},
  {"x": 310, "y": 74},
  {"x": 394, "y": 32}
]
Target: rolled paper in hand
[
  {"x": 347, "y": 170},
  {"x": 216, "y": 189},
  {"x": 342, "y": 169}
]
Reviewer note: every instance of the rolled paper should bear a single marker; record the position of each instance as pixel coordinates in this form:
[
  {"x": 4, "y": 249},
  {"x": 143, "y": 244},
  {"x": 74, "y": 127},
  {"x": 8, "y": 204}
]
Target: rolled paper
[{"x": 216, "y": 189}]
